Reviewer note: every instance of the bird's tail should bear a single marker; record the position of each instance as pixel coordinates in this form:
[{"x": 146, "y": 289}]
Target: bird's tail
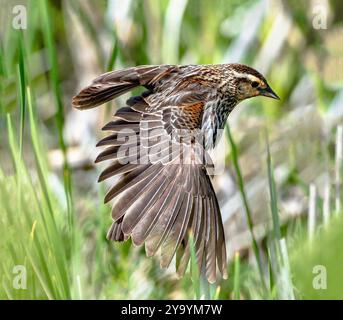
[
  {"x": 161, "y": 206},
  {"x": 115, "y": 83}
]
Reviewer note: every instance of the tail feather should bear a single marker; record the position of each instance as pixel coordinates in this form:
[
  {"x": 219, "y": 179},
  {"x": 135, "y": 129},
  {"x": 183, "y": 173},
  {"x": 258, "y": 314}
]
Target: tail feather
[
  {"x": 197, "y": 225},
  {"x": 200, "y": 232},
  {"x": 210, "y": 243}
]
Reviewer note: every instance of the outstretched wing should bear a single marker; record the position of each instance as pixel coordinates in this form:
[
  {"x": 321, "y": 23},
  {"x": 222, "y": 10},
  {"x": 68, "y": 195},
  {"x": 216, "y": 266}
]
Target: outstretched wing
[
  {"x": 115, "y": 83},
  {"x": 163, "y": 193}
]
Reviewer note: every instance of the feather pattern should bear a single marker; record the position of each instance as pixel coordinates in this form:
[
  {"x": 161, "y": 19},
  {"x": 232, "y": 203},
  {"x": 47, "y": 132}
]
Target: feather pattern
[{"x": 164, "y": 194}]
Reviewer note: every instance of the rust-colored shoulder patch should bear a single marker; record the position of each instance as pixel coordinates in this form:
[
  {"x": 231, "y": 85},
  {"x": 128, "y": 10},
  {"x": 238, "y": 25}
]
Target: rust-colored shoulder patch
[{"x": 190, "y": 115}]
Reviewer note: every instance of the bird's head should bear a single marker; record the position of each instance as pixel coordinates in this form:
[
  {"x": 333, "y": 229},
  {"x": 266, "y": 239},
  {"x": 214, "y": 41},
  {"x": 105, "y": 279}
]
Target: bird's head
[{"x": 248, "y": 83}]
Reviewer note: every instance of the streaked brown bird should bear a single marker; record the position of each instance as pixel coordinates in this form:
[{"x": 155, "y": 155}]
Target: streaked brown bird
[{"x": 158, "y": 149}]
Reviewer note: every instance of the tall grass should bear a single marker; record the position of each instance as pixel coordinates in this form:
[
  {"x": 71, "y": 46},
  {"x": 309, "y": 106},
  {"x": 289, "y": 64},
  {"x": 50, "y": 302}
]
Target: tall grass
[
  {"x": 56, "y": 90},
  {"x": 33, "y": 231}
]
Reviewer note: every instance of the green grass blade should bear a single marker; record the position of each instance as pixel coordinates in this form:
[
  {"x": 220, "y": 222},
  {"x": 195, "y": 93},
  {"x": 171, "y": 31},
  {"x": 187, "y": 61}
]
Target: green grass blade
[
  {"x": 113, "y": 54},
  {"x": 22, "y": 91},
  {"x": 273, "y": 196},
  {"x": 256, "y": 251},
  {"x": 236, "y": 280}
]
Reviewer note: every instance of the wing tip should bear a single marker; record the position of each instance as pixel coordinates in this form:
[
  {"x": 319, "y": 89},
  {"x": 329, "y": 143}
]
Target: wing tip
[{"x": 83, "y": 100}]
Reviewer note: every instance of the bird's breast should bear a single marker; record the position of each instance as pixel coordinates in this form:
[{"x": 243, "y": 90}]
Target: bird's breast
[{"x": 214, "y": 119}]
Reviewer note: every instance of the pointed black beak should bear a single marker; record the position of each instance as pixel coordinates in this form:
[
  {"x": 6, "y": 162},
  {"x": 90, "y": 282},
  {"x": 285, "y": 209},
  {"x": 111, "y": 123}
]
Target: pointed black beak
[{"x": 268, "y": 92}]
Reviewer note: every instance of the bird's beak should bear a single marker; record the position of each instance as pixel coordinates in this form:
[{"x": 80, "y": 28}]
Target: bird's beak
[{"x": 268, "y": 92}]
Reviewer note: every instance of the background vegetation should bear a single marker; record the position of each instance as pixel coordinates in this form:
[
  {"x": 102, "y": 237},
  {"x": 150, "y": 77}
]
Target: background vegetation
[{"x": 282, "y": 183}]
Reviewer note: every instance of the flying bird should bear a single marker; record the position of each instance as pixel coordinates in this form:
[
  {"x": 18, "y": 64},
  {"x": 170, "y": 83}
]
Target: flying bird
[{"x": 158, "y": 150}]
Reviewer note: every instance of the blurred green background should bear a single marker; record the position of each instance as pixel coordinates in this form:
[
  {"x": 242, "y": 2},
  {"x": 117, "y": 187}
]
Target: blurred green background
[{"x": 280, "y": 194}]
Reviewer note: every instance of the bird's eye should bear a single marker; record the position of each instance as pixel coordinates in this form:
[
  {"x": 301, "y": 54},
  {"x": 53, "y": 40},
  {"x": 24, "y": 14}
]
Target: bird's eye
[{"x": 255, "y": 84}]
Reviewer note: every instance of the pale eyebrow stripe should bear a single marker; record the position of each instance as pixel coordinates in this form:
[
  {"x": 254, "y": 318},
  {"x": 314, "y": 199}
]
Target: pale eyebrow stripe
[{"x": 249, "y": 77}]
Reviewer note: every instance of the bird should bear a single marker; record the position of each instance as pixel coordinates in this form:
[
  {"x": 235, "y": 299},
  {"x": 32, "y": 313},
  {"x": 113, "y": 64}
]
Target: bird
[{"x": 158, "y": 150}]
